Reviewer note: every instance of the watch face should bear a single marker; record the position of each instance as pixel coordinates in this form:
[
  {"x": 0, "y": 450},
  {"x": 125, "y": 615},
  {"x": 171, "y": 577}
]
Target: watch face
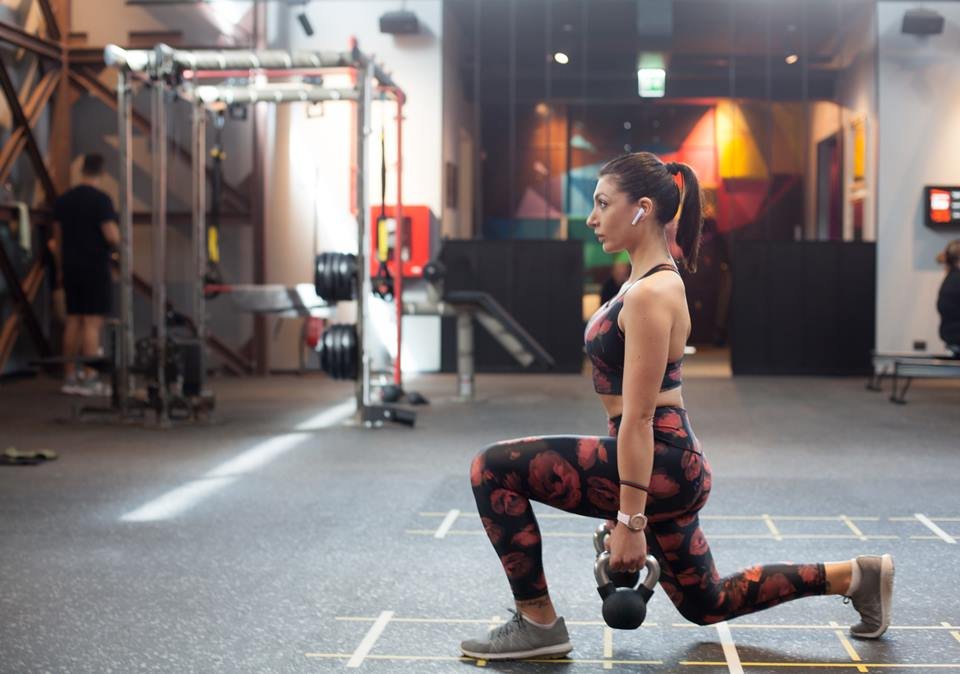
[{"x": 638, "y": 522}]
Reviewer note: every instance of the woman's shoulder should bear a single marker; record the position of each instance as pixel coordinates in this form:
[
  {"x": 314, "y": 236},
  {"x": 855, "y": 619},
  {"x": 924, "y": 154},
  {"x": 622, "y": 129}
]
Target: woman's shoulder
[
  {"x": 660, "y": 287},
  {"x": 654, "y": 296}
]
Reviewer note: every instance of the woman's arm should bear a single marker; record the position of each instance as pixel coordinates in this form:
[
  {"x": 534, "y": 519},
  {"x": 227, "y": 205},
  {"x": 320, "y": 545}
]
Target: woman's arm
[{"x": 647, "y": 320}]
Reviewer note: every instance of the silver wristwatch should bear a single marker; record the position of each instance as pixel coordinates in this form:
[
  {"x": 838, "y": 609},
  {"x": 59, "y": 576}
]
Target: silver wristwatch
[{"x": 636, "y": 522}]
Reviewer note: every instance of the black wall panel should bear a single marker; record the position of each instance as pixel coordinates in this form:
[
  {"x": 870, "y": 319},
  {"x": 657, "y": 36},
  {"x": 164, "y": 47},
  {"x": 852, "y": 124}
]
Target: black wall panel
[
  {"x": 803, "y": 307},
  {"x": 540, "y": 283}
]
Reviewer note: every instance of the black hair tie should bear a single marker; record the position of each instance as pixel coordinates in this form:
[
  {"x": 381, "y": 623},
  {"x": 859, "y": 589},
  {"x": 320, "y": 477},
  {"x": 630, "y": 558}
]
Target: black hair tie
[{"x": 672, "y": 167}]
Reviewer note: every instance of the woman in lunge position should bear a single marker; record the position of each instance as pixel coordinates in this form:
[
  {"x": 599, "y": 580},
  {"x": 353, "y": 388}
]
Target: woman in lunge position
[{"x": 650, "y": 473}]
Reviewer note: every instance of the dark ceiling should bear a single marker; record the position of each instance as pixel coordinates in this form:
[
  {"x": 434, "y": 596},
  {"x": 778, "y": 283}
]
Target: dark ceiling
[{"x": 715, "y": 48}]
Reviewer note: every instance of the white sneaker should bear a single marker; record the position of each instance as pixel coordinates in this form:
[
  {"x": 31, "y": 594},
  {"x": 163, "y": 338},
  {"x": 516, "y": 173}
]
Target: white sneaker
[
  {"x": 71, "y": 387},
  {"x": 93, "y": 388}
]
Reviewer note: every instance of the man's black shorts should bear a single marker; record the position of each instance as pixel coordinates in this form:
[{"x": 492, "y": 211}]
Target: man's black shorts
[{"x": 89, "y": 291}]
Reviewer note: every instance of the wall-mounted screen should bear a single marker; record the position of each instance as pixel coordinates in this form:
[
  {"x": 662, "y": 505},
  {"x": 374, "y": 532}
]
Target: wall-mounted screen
[{"x": 942, "y": 206}]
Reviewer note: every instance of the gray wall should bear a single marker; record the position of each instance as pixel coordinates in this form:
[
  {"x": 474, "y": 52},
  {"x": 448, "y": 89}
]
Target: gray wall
[{"x": 919, "y": 135}]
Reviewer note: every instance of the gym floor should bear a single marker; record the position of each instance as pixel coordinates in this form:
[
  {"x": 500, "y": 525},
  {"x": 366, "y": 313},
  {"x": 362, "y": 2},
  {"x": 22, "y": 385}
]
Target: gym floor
[{"x": 277, "y": 539}]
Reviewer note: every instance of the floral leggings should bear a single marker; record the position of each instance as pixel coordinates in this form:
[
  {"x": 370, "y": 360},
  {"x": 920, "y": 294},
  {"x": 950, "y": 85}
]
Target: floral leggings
[{"x": 578, "y": 474}]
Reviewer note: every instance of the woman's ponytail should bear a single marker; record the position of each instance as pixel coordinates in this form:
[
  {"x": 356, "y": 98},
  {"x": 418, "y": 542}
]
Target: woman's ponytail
[{"x": 690, "y": 224}]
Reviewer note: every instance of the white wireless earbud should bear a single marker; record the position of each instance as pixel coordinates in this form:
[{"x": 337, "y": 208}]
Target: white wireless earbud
[{"x": 639, "y": 215}]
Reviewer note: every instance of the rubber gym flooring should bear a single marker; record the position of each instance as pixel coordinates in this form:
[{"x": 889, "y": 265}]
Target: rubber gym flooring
[{"x": 277, "y": 539}]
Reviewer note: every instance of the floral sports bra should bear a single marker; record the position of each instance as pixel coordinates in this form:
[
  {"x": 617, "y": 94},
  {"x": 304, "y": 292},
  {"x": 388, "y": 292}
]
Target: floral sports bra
[{"x": 605, "y": 346}]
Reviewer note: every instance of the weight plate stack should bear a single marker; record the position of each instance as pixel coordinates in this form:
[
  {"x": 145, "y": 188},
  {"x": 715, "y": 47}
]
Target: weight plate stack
[{"x": 335, "y": 277}]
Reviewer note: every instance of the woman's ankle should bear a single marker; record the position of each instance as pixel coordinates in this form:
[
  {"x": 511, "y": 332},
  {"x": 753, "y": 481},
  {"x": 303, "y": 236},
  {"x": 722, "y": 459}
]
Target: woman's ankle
[
  {"x": 539, "y": 610},
  {"x": 839, "y": 577}
]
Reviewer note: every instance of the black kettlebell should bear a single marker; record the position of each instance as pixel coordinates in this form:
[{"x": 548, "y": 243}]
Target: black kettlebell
[
  {"x": 619, "y": 578},
  {"x": 624, "y": 608}
]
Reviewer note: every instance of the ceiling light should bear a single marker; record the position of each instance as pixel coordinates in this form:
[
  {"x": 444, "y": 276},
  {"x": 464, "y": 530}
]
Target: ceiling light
[
  {"x": 561, "y": 58},
  {"x": 792, "y": 58}
]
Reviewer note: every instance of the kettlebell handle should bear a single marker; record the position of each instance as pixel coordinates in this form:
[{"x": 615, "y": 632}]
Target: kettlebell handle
[
  {"x": 599, "y": 536},
  {"x": 601, "y": 571}
]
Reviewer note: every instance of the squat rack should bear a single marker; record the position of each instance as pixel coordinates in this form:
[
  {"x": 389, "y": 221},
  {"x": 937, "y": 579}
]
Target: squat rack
[{"x": 181, "y": 72}]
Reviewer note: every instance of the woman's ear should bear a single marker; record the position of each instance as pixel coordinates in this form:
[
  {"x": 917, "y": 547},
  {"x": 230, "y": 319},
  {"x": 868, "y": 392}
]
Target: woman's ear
[{"x": 645, "y": 203}]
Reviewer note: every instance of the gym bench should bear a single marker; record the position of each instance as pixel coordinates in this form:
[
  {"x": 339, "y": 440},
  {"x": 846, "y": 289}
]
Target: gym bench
[{"x": 903, "y": 368}]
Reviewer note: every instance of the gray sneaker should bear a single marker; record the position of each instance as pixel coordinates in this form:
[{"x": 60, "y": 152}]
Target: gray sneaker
[
  {"x": 518, "y": 639},
  {"x": 874, "y": 596}
]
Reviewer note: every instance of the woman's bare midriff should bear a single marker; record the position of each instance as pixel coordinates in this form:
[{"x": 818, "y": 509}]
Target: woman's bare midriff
[{"x": 614, "y": 404}]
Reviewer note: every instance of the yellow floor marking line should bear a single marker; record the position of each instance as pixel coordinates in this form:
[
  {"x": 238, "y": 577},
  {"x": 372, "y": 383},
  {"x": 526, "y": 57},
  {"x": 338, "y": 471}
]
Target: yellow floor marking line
[
  {"x": 442, "y": 658},
  {"x": 540, "y": 516},
  {"x": 848, "y": 647},
  {"x": 823, "y": 518},
  {"x": 738, "y": 537},
  {"x": 734, "y": 666},
  {"x": 496, "y": 620},
  {"x": 492, "y": 622},
  {"x": 954, "y": 633},
  {"x": 830, "y": 665},
  {"x": 463, "y": 658},
  {"x": 732, "y": 518},
  {"x": 452, "y": 532},
  {"x": 607, "y": 647},
  {"x": 853, "y": 527},
  {"x": 913, "y": 518},
  {"x": 749, "y": 626},
  {"x": 465, "y": 621},
  {"x": 772, "y": 527},
  {"x": 376, "y": 629},
  {"x": 928, "y": 523}
]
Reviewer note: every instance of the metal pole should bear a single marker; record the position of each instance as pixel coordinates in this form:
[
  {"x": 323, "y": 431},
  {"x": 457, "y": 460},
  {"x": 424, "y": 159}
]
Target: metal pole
[
  {"x": 465, "y": 364},
  {"x": 398, "y": 247},
  {"x": 477, "y": 123},
  {"x": 364, "y": 286},
  {"x": 159, "y": 129},
  {"x": 124, "y": 342},
  {"x": 199, "y": 152}
]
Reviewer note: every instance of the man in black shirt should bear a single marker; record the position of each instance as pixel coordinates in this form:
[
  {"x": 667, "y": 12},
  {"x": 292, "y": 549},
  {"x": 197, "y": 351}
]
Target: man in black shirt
[
  {"x": 86, "y": 231},
  {"x": 948, "y": 299}
]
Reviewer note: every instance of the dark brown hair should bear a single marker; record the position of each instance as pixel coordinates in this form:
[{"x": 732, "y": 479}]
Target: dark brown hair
[
  {"x": 642, "y": 174},
  {"x": 92, "y": 164},
  {"x": 951, "y": 254}
]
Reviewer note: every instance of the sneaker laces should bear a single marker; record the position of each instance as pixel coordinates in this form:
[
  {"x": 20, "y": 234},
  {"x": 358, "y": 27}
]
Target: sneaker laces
[{"x": 507, "y": 629}]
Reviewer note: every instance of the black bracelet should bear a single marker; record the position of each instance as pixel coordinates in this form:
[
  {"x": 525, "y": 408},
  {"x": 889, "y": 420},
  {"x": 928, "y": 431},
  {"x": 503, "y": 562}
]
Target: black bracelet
[{"x": 635, "y": 485}]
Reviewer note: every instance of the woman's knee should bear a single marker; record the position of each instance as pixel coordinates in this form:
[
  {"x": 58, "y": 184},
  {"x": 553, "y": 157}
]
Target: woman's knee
[
  {"x": 486, "y": 464},
  {"x": 702, "y": 608},
  {"x": 477, "y": 467},
  {"x": 496, "y": 458},
  {"x": 697, "y": 616},
  {"x": 694, "y": 605}
]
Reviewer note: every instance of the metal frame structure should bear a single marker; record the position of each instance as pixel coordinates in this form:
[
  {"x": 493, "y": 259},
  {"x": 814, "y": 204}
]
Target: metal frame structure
[
  {"x": 52, "y": 51},
  {"x": 75, "y": 70},
  {"x": 70, "y": 70},
  {"x": 182, "y": 72}
]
